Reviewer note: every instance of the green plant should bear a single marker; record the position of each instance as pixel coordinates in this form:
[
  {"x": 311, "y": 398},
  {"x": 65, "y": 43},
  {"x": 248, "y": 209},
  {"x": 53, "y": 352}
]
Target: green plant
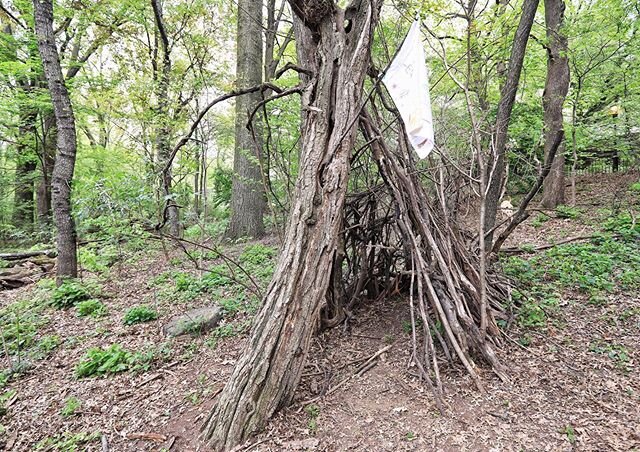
[
  {"x": 216, "y": 277},
  {"x": 313, "y": 411},
  {"x": 624, "y": 224},
  {"x": 571, "y": 434},
  {"x": 47, "y": 344},
  {"x": 185, "y": 282},
  {"x": 140, "y": 314},
  {"x": 226, "y": 330},
  {"x": 567, "y": 212},
  {"x": 619, "y": 354},
  {"x": 111, "y": 360},
  {"x": 257, "y": 254},
  {"x": 71, "y": 406},
  {"x": 68, "y": 442},
  {"x": 98, "y": 260},
  {"x": 539, "y": 220},
  {"x": 68, "y": 294},
  {"x": 4, "y": 398},
  {"x": 628, "y": 313},
  {"x": 92, "y": 308}
]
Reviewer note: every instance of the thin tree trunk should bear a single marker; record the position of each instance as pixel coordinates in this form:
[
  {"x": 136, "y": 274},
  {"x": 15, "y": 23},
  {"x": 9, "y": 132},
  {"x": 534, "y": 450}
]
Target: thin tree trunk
[
  {"x": 267, "y": 373},
  {"x": 248, "y": 201},
  {"x": 47, "y": 157},
  {"x": 23, "y": 208},
  {"x": 163, "y": 131},
  {"x": 497, "y": 165},
  {"x": 555, "y": 92},
  {"x": 62, "y": 176}
]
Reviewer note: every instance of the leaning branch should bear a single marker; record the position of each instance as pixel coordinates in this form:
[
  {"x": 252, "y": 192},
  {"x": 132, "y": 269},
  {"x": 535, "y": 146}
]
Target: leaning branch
[
  {"x": 522, "y": 213},
  {"x": 194, "y": 126},
  {"x": 12, "y": 17}
]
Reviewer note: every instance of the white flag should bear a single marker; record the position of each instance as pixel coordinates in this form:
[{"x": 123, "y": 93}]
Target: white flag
[{"x": 406, "y": 80}]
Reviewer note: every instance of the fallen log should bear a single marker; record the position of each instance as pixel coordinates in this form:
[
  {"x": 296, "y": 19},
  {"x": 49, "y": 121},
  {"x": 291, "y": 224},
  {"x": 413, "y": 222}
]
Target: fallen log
[
  {"x": 25, "y": 270},
  {"x": 12, "y": 278},
  {"x": 27, "y": 254}
]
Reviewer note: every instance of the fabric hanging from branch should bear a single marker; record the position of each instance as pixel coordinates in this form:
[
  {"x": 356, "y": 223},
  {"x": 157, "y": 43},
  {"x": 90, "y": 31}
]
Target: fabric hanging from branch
[{"x": 407, "y": 83}]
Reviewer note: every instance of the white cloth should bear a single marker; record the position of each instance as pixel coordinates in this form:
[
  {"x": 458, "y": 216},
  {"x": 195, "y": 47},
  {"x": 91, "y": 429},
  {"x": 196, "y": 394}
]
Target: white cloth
[{"x": 406, "y": 80}]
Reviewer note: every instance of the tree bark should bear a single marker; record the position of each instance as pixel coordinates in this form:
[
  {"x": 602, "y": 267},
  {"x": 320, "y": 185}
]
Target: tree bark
[
  {"x": 62, "y": 176},
  {"x": 555, "y": 92},
  {"x": 170, "y": 212},
  {"x": 269, "y": 369},
  {"x": 248, "y": 200},
  {"x": 496, "y": 167}
]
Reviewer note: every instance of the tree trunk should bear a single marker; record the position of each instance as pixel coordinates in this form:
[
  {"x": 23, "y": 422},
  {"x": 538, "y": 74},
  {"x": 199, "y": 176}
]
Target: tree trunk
[
  {"x": 66, "y": 143},
  {"x": 163, "y": 131},
  {"x": 496, "y": 167},
  {"x": 47, "y": 162},
  {"x": 555, "y": 91},
  {"x": 267, "y": 373},
  {"x": 248, "y": 200},
  {"x": 23, "y": 209}
]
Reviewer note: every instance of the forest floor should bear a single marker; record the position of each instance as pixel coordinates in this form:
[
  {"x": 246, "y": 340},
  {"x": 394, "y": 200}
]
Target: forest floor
[{"x": 573, "y": 356}]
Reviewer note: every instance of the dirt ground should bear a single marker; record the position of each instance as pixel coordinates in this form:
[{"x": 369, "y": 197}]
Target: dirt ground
[{"x": 562, "y": 395}]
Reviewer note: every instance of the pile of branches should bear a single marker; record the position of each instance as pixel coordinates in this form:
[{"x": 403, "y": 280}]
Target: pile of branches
[{"x": 401, "y": 235}]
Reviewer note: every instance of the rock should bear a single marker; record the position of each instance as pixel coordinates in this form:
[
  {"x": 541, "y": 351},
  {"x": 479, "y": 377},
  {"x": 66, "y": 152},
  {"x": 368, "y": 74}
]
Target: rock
[{"x": 195, "y": 321}]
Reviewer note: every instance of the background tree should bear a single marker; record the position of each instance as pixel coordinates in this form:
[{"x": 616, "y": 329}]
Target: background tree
[
  {"x": 555, "y": 91},
  {"x": 248, "y": 200},
  {"x": 62, "y": 177}
]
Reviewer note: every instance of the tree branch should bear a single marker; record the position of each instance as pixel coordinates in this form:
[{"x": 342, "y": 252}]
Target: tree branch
[
  {"x": 185, "y": 139},
  {"x": 522, "y": 214}
]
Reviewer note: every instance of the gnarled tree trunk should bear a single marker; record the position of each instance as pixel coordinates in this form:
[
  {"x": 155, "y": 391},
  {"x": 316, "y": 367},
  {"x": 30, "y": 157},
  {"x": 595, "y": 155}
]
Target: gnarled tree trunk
[
  {"x": 555, "y": 91},
  {"x": 269, "y": 370},
  {"x": 66, "y": 142}
]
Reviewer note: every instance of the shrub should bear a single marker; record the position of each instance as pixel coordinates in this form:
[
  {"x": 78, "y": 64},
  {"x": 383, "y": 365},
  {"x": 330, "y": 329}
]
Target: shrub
[
  {"x": 140, "y": 314},
  {"x": 92, "y": 308},
  {"x": 68, "y": 294}
]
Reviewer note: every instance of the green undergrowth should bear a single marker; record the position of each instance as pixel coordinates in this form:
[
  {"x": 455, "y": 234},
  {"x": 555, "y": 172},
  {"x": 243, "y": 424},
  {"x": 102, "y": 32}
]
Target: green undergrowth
[
  {"x": 22, "y": 322},
  {"x": 140, "y": 314},
  {"x": 69, "y": 442},
  {"x": 112, "y": 360},
  {"x": 606, "y": 264},
  {"x": 233, "y": 285},
  {"x": 91, "y": 308}
]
